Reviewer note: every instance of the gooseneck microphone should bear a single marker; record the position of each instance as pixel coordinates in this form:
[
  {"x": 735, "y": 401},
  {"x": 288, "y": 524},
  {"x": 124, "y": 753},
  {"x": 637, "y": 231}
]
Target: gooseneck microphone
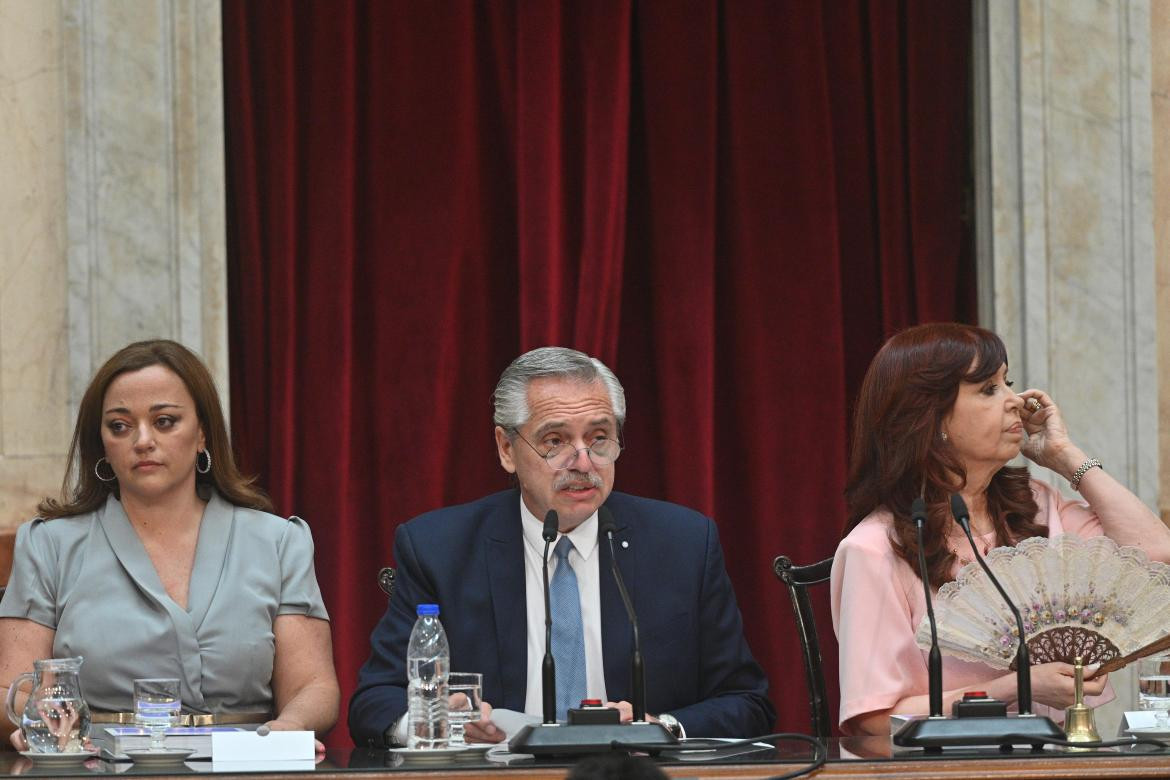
[
  {"x": 607, "y": 526},
  {"x": 976, "y": 719},
  {"x": 1023, "y": 662},
  {"x": 548, "y": 670},
  {"x": 934, "y": 660},
  {"x": 585, "y": 732}
]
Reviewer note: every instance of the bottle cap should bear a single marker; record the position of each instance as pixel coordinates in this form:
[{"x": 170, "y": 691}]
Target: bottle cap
[{"x": 428, "y": 609}]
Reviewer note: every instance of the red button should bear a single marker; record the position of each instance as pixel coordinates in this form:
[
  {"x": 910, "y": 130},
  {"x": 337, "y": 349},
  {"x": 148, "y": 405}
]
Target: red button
[
  {"x": 591, "y": 702},
  {"x": 975, "y": 695}
]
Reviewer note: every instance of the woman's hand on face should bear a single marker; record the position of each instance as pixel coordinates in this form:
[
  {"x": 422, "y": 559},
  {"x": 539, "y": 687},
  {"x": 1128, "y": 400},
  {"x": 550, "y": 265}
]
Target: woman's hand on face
[
  {"x": 1048, "y": 444},
  {"x": 1053, "y": 684}
]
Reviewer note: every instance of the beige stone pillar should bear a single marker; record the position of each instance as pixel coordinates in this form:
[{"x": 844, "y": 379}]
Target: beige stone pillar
[
  {"x": 1065, "y": 223},
  {"x": 111, "y": 208},
  {"x": 1160, "y": 60},
  {"x": 34, "y": 359}
]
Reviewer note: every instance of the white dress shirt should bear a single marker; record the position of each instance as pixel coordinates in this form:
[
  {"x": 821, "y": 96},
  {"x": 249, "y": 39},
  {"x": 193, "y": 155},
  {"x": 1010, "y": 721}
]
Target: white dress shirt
[{"x": 584, "y": 559}]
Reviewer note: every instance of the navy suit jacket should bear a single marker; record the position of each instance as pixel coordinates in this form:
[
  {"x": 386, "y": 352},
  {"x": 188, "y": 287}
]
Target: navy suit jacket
[{"x": 469, "y": 560}]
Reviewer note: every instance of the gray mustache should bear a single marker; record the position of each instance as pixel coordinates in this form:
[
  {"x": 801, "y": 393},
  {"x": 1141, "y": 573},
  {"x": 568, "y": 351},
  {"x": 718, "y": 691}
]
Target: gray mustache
[{"x": 576, "y": 479}]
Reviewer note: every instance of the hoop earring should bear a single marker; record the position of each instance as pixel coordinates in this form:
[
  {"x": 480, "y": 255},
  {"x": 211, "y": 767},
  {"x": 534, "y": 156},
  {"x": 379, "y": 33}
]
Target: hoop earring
[
  {"x": 97, "y": 470},
  {"x": 206, "y": 469}
]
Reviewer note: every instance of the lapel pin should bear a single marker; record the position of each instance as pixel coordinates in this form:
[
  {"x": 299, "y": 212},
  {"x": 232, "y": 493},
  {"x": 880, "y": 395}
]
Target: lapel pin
[{"x": 625, "y": 545}]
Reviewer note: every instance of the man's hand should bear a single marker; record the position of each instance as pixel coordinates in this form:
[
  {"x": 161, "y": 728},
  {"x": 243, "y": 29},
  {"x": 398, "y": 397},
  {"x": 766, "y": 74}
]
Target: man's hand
[
  {"x": 483, "y": 730},
  {"x": 625, "y": 708},
  {"x": 627, "y": 711}
]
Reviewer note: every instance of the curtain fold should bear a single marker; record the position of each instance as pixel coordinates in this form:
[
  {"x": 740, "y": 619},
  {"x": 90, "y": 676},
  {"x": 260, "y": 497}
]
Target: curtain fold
[{"x": 731, "y": 203}]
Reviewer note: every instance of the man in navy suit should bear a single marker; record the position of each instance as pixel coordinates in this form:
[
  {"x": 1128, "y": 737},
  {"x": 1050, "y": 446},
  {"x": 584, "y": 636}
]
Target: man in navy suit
[{"x": 558, "y": 416}]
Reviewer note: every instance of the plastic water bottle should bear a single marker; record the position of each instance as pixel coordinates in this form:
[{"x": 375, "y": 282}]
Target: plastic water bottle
[{"x": 428, "y": 663}]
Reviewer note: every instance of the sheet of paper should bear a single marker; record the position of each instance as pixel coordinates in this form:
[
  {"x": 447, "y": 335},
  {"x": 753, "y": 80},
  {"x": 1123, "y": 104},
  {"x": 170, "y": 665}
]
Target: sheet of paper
[
  {"x": 512, "y": 721},
  {"x": 1140, "y": 719},
  {"x": 274, "y": 746}
]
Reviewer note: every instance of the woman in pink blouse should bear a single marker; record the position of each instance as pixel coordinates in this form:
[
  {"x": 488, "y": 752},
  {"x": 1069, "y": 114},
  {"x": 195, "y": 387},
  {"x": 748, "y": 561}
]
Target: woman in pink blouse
[{"x": 936, "y": 415}]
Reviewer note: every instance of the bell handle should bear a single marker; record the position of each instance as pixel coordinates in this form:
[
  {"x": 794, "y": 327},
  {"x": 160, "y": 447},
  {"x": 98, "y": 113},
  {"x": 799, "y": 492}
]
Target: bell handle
[
  {"x": 1079, "y": 680},
  {"x": 12, "y": 689}
]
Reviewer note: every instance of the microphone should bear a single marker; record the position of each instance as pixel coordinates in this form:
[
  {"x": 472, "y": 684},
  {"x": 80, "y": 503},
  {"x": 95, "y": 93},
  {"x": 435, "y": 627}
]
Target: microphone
[
  {"x": 637, "y": 671},
  {"x": 1023, "y": 662},
  {"x": 578, "y": 736},
  {"x": 934, "y": 661},
  {"x": 976, "y": 721},
  {"x": 548, "y": 670}
]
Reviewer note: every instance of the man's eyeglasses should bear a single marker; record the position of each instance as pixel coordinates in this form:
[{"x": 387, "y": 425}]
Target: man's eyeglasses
[{"x": 601, "y": 452}]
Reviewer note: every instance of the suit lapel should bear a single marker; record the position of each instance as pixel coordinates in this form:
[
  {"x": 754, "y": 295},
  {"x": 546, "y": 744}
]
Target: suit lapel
[
  {"x": 505, "y": 566},
  {"x": 617, "y": 637}
]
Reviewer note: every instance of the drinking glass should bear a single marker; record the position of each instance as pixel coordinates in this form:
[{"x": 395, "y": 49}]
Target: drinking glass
[
  {"x": 156, "y": 707},
  {"x": 465, "y": 692},
  {"x": 1154, "y": 682}
]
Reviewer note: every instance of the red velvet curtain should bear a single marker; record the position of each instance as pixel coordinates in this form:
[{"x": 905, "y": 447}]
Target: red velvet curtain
[{"x": 731, "y": 203}]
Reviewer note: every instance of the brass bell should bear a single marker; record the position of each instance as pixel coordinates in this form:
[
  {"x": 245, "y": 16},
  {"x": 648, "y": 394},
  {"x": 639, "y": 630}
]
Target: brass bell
[{"x": 1079, "y": 724}]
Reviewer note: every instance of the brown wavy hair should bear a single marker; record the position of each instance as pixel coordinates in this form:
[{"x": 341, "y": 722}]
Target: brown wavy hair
[
  {"x": 82, "y": 491},
  {"x": 898, "y": 451}
]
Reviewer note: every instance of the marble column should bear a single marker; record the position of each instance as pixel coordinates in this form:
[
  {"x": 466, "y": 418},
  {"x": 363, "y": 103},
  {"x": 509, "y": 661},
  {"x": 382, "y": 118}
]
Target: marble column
[
  {"x": 111, "y": 209},
  {"x": 34, "y": 361},
  {"x": 1066, "y": 243},
  {"x": 144, "y": 156},
  {"x": 1065, "y": 221},
  {"x": 1160, "y": 60}
]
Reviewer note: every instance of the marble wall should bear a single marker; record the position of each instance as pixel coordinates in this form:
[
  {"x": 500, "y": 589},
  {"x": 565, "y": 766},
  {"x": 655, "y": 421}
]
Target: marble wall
[
  {"x": 1065, "y": 193},
  {"x": 1066, "y": 243},
  {"x": 112, "y": 191},
  {"x": 1160, "y": 61},
  {"x": 34, "y": 361}
]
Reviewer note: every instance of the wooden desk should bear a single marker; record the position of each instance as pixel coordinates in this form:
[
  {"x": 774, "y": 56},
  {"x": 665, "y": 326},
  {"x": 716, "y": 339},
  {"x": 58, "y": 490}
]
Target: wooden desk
[{"x": 850, "y": 758}]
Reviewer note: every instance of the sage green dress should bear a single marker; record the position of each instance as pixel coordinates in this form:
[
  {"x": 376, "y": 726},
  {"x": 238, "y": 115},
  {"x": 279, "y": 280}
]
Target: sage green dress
[{"x": 90, "y": 579}]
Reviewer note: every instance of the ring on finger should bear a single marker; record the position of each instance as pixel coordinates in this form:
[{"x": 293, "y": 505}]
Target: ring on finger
[{"x": 1032, "y": 404}]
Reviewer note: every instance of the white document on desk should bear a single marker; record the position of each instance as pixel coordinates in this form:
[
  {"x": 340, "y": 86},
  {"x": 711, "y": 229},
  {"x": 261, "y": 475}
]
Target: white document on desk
[
  {"x": 512, "y": 721},
  {"x": 283, "y": 746}
]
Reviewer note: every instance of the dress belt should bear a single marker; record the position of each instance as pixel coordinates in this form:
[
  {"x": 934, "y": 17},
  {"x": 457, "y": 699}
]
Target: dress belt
[{"x": 188, "y": 718}]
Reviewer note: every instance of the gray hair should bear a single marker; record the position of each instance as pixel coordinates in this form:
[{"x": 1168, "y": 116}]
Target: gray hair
[{"x": 511, "y": 394}]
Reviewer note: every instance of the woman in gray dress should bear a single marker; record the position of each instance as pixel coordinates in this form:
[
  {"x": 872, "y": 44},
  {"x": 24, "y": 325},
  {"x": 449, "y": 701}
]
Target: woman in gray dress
[{"x": 162, "y": 560}]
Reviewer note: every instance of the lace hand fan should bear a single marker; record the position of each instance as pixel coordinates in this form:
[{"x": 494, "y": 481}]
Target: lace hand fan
[{"x": 1078, "y": 597}]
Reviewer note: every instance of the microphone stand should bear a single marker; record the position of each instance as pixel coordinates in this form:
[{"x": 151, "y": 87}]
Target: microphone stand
[
  {"x": 548, "y": 669},
  {"x": 934, "y": 660},
  {"x": 1004, "y": 730},
  {"x": 637, "y": 671},
  {"x": 576, "y": 739},
  {"x": 1023, "y": 661}
]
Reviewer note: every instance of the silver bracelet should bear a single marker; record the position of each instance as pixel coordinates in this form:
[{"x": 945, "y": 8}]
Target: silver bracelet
[{"x": 1079, "y": 474}]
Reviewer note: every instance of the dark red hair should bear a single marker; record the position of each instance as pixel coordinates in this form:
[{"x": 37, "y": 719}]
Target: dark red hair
[{"x": 898, "y": 450}]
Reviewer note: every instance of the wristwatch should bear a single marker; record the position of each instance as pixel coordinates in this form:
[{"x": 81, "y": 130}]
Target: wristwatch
[{"x": 672, "y": 725}]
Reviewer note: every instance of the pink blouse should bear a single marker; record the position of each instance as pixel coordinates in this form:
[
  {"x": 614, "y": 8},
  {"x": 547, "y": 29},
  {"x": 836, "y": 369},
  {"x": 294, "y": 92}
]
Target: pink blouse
[{"x": 877, "y": 604}]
